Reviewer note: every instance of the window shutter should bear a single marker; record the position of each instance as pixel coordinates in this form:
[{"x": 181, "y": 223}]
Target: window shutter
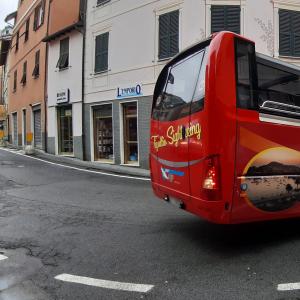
[
  {"x": 285, "y": 34},
  {"x": 168, "y": 34},
  {"x": 101, "y": 52},
  {"x": 225, "y": 17},
  {"x": 296, "y": 33}
]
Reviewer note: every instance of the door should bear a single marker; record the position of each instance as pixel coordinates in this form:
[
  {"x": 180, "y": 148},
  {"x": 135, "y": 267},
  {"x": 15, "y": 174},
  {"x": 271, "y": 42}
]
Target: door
[
  {"x": 24, "y": 128},
  {"x": 65, "y": 126},
  {"x": 15, "y": 129},
  {"x": 37, "y": 128},
  {"x": 130, "y": 133}
]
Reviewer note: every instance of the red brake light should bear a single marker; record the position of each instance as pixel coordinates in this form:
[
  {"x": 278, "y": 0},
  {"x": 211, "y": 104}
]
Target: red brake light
[{"x": 211, "y": 180}]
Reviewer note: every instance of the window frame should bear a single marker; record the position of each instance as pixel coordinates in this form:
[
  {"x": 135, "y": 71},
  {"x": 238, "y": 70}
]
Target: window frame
[
  {"x": 106, "y": 69},
  {"x": 64, "y": 54},
  {"x": 39, "y": 15},
  {"x": 15, "y": 81},
  {"x": 36, "y": 70},
  {"x": 24, "y": 74},
  {"x": 27, "y": 27},
  {"x": 170, "y": 54}
]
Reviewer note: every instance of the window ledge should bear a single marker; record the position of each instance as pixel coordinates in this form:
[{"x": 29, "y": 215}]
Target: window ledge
[
  {"x": 289, "y": 57},
  {"x": 63, "y": 69},
  {"x": 36, "y": 77},
  {"x": 98, "y": 74}
]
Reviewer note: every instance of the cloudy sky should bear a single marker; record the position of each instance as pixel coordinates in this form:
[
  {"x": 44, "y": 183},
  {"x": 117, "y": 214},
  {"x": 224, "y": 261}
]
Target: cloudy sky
[{"x": 6, "y": 7}]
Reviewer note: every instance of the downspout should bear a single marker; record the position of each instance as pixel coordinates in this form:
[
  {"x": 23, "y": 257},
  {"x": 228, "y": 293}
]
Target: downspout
[
  {"x": 83, "y": 17},
  {"x": 46, "y": 81}
]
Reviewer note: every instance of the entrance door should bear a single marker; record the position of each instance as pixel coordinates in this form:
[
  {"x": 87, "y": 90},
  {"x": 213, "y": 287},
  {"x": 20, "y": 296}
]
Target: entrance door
[
  {"x": 37, "y": 128},
  {"x": 65, "y": 128},
  {"x": 103, "y": 133},
  {"x": 15, "y": 129},
  {"x": 130, "y": 133},
  {"x": 24, "y": 128}
]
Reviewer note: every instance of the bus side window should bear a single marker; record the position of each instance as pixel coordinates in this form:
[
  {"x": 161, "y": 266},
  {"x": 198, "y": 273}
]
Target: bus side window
[
  {"x": 245, "y": 74},
  {"x": 279, "y": 90}
]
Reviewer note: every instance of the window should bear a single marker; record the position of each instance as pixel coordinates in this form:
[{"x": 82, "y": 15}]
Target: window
[
  {"x": 289, "y": 33},
  {"x": 65, "y": 130},
  {"x": 279, "y": 90},
  {"x": 36, "y": 70},
  {"x": 23, "y": 79},
  {"x": 27, "y": 30},
  {"x": 130, "y": 133},
  {"x": 101, "y": 52},
  {"x": 180, "y": 85},
  {"x": 168, "y": 35},
  {"x": 225, "y": 17},
  {"x": 39, "y": 16},
  {"x": 15, "y": 81},
  {"x": 17, "y": 40},
  {"x": 102, "y": 2},
  {"x": 103, "y": 133},
  {"x": 63, "y": 61},
  {"x": 246, "y": 74}
]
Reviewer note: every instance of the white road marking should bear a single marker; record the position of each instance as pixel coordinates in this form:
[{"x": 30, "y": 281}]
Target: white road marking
[
  {"x": 106, "y": 284},
  {"x": 288, "y": 286},
  {"x": 74, "y": 168},
  {"x": 2, "y": 257}
]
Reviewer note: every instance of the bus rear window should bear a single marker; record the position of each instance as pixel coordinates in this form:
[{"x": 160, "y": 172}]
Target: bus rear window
[{"x": 177, "y": 86}]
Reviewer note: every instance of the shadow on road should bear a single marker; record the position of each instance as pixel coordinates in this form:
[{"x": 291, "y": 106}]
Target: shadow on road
[{"x": 235, "y": 240}]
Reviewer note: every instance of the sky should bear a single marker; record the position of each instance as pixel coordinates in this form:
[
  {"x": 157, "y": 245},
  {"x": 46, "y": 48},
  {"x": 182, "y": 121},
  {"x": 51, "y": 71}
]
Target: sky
[{"x": 6, "y": 7}]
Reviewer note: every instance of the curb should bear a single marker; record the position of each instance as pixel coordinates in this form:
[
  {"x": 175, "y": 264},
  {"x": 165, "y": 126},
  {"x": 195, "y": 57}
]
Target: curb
[{"x": 71, "y": 161}]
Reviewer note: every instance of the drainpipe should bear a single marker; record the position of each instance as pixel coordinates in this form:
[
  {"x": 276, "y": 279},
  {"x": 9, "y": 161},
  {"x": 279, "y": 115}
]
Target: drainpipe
[
  {"x": 46, "y": 81},
  {"x": 83, "y": 17}
]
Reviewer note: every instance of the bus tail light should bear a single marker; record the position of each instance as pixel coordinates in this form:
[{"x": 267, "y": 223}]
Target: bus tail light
[{"x": 211, "y": 179}]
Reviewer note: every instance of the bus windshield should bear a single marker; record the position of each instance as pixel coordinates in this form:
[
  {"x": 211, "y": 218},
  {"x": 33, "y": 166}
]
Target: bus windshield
[{"x": 181, "y": 88}]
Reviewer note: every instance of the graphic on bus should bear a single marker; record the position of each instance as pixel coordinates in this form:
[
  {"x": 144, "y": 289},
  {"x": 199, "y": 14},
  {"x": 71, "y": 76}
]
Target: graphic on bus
[{"x": 224, "y": 127}]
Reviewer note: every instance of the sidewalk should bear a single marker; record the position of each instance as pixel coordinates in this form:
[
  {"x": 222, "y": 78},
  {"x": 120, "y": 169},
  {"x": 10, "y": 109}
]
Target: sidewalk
[{"x": 71, "y": 161}]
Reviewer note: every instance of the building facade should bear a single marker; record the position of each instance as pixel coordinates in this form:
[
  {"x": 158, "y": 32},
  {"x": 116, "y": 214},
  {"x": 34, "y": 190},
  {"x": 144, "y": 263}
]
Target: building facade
[
  {"x": 65, "y": 77},
  {"x": 27, "y": 75},
  {"x": 5, "y": 42},
  {"x": 129, "y": 42}
]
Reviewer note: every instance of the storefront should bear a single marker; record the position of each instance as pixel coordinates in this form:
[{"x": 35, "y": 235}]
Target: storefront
[{"x": 119, "y": 129}]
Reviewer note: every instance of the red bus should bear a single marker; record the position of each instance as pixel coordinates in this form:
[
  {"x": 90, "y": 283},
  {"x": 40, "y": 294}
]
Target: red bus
[{"x": 224, "y": 129}]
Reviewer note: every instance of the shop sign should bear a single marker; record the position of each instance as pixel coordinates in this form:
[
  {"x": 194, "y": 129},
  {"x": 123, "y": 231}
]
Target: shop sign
[
  {"x": 63, "y": 96},
  {"x": 127, "y": 92}
]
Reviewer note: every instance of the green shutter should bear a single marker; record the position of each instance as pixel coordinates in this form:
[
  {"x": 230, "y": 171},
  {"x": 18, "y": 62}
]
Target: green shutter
[
  {"x": 289, "y": 33},
  {"x": 101, "y": 52},
  {"x": 168, "y": 35},
  {"x": 225, "y": 17}
]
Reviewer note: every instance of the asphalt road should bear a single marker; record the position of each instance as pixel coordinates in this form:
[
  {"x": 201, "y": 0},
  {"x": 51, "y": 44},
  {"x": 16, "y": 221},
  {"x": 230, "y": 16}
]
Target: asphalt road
[{"x": 55, "y": 220}]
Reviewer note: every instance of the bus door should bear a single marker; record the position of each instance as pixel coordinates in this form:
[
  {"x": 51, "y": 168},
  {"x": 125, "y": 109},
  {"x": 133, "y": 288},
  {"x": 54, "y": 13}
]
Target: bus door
[
  {"x": 267, "y": 155},
  {"x": 174, "y": 129}
]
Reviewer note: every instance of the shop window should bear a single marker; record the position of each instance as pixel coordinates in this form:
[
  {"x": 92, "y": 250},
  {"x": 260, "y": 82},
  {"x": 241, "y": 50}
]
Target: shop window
[
  {"x": 103, "y": 133},
  {"x": 63, "y": 60},
  {"x": 101, "y": 53},
  {"x": 225, "y": 17},
  {"x": 27, "y": 30},
  {"x": 24, "y": 75},
  {"x": 36, "y": 70},
  {"x": 289, "y": 33},
  {"x": 130, "y": 133},
  {"x": 39, "y": 16},
  {"x": 65, "y": 130},
  {"x": 168, "y": 35}
]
